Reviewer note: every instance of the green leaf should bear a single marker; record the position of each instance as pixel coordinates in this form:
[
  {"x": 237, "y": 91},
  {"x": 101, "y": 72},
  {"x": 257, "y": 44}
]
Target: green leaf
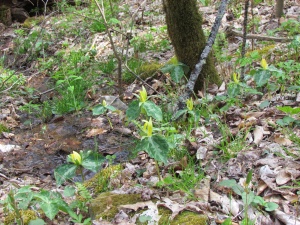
[
  {"x": 233, "y": 90},
  {"x": 64, "y": 172},
  {"x": 156, "y": 146},
  {"x": 177, "y": 73},
  {"x": 271, "y": 206},
  {"x": 228, "y": 183},
  {"x": 92, "y": 160},
  {"x": 262, "y": 77},
  {"x": 69, "y": 191},
  {"x": 111, "y": 108},
  {"x": 227, "y": 222},
  {"x": 249, "y": 177},
  {"x": 248, "y": 197},
  {"x": 289, "y": 110},
  {"x": 259, "y": 200},
  {"x": 113, "y": 21},
  {"x": 50, "y": 209},
  {"x": 179, "y": 113},
  {"x": 37, "y": 222},
  {"x": 264, "y": 104},
  {"x": 133, "y": 110},
  {"x": 153, "y": 110},
  {"x": 98, "y": 110},
  {"x": 287, "y": 120},
  {"x": 168, "y": 68}
]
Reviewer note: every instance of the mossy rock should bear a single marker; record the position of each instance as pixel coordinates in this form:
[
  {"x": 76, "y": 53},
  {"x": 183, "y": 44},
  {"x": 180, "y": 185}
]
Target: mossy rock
[
  {"x": 32, "y": 21},
  {"x": 106, "y": 204},
  {"x": 27, "y": 216},
  {"x": 99, "y": 183},
  {"x": 184, "y": 218}
]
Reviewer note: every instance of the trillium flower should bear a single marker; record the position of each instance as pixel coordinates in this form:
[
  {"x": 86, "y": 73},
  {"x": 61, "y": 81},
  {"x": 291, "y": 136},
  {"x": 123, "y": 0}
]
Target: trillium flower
[
  {"x": 148, "y": 127},
  {"x": 76, "y": 158},
  {"x": 104, "y": 103},
  {"x": 190, "y": 104},
  {"x": 143, "y": 95},
  {"x": 264, "y": 64},
  {"x": 236, "y": 78}
]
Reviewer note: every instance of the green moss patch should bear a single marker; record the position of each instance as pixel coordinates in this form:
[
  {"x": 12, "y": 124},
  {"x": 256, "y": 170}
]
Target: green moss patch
[
  {"x": 184, "y": 218},
  {"x": 100, "y": 182},
  {"x": 106, "y": 204}
]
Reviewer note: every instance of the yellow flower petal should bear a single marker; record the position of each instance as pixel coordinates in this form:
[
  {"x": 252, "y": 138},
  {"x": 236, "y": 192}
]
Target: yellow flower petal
[
  {"x": 190, "y": 104},
  {"x": 264, "y": 64},
  {"x": 76, "y": 158},
  {"x": 143, "y": 95}
]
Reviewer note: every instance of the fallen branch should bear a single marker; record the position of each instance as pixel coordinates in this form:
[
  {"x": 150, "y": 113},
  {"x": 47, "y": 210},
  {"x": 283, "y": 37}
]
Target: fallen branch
[
  {"x": 198, "y": 67},
  {"x": 230, "y": 33}
]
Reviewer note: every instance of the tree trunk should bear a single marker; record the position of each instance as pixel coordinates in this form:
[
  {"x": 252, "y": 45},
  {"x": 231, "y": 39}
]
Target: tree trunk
[
  {"x": 185, "y": 31},
  {"x": 279, "y": 8}
]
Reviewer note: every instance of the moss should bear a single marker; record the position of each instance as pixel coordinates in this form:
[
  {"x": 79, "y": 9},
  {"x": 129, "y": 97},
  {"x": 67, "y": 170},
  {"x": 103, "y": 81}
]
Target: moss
[
  {"x": 173, "y": 60},
  {"x": 184, "y": 218},
  {"x": 99, "y": 183},
  {"x": 32, "y": 21},
  {"x": 143, "y": 70},
  {"x": 262, "y": 52},
  {"x": 106, "y": 204},
  {"x": 27, "y": 216},
  {"x": 148, "y": 69},
  {"x": 3, "y": 128}
]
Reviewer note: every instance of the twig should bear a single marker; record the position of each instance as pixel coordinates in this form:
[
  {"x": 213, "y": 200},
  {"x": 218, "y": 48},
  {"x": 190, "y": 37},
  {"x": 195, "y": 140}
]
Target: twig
[
  {"x": 230, "y": 32},
  {"x": 196, "y": 71},
  {"x": 244, "y": 35}
]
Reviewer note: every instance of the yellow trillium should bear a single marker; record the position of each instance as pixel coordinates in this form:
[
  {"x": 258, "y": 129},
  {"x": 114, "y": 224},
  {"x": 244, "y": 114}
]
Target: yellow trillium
[
  {"x": 190, "y": 104},
  {"x": 143, "y": 95},
  {"x": 104, "y": 103},
  {"x": 76, "y": 158},
  {"x": 148, "y": 127},
  {"x": 236, "y": 78},
  {"x": 264, "y": 64}
]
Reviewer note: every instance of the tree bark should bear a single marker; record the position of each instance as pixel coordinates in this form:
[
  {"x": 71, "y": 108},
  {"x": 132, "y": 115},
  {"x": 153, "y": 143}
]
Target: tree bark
[
  {"x": 185, "y": 31},
  {"x": 279, "y": 8}
]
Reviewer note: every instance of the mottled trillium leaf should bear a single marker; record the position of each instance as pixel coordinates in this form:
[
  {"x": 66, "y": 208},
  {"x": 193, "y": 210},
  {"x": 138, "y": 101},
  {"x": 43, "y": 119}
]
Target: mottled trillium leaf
[
  {"x": 153, "y": 110},
  {"x": 64, "y": 172},
  {"x": 156, "y": 146},
  {"x": 133, "y": 110}
]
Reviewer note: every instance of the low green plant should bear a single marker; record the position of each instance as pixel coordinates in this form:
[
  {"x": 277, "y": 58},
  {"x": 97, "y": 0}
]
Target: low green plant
[
  {"x": 290, "y": 26},
  {"x": 185, "y": 180},
  {"x": 231, "y": 145},
  {"x": 50, "y": 203},
  {"x": 9, "y": 79},
  {"x": 288, "y": 120},
  {"x": 177, "y": 70},
  {"x": 249, "y": 198},
  {"x": 143, "y": 106},
  {"x": 89, "y": 160},
  {"x": 103, "y": 108}
]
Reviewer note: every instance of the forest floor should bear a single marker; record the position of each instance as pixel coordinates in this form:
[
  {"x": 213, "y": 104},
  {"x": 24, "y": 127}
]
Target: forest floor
[{"x": 247, "y": 135}]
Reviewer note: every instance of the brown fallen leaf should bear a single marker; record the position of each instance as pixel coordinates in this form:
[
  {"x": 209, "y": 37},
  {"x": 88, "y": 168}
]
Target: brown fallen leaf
[
  {"x": 95, "y": 131},
  {"x": 258, "y": 134},
  {"x": 176, "y": 208},
  {"x": 283, "y": 141}
]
